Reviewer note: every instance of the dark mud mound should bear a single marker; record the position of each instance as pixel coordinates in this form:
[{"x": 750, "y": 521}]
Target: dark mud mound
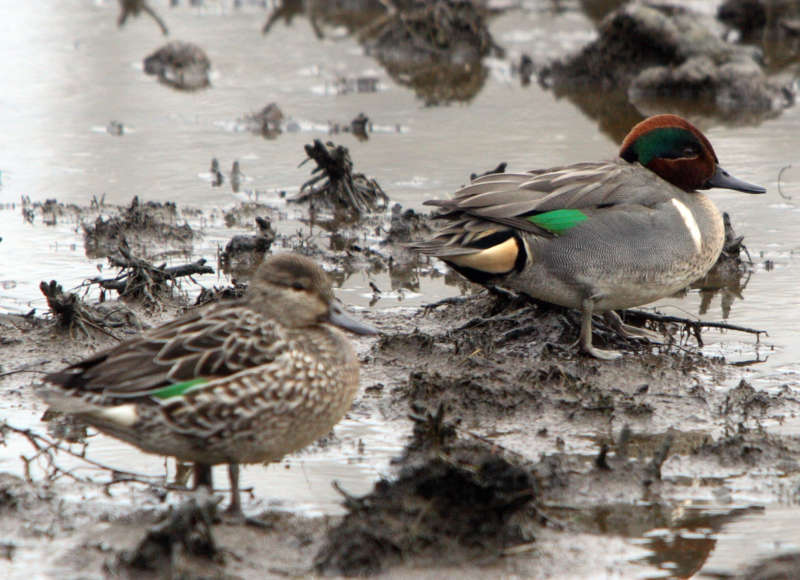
[
  {"x": 484, "y": 355},
  {"x": 406, "y": 225},
  {"x": 181, "y": 65},
  {"x": 142, "y": 226},
  {"x": 268, "y": 122},
  {"x": 336, "y": 187},
  {"x": 451, "y": 501},
  {"x": 782, "y": 567},
  {"x": 435, "y": 48},
  {"x": 180, "y": 546},
  {"x": 243, "y": 254},
  {"x": 753, "y": 17},
  {"x": 657, "y": 54},
  {"x": 354, "y": 15}
]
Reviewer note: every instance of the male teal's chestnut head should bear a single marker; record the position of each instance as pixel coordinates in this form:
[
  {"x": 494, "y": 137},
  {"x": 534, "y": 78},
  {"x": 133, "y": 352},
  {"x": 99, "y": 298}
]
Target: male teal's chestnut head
[{"x": 679, "y": 153}]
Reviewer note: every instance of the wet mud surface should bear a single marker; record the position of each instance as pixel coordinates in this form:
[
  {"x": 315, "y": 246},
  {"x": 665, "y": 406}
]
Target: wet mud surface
[
  {"x": 512, "y": 454},
  {"x": 517, "y": 444}
]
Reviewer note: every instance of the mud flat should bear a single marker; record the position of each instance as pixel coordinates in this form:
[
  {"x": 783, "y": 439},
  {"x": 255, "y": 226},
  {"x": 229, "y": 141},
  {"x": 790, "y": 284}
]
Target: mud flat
[{"x": 523, "y": 456}]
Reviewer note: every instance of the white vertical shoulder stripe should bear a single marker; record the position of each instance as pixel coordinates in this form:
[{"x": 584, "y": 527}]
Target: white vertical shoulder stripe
[{"x": 690, "y": 222}]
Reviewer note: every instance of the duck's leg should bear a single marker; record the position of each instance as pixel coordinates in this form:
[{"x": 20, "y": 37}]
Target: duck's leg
[
  {"x": 234, "y": 510},
  {"x": 203, "y": 477},
  {"x": 585, "y": 338},
  {"x": 234, "y": 514},
  {"x": 628, "y": 331}
]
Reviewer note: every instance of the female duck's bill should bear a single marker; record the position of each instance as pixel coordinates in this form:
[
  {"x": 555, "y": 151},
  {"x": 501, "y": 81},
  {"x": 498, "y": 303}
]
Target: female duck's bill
[{"x": 343, "y": 320}]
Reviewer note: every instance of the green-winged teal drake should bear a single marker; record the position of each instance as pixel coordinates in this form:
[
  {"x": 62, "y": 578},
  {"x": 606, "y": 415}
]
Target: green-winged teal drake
[
  {"x": 594, "y": 236},
  {"x": 242, "y": 381}
]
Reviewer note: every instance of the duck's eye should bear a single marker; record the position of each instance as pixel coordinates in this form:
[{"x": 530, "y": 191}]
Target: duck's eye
[
  {"x": 297, "y": 285},
  {"x": 689, "y": 151}
]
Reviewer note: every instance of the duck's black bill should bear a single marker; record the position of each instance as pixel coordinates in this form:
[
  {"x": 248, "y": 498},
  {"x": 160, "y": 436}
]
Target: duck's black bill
[
  {"x": 343, "y": 320},
  {"x": 725, "y": 180}
]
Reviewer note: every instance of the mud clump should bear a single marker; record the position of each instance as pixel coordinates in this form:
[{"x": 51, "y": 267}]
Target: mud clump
[
  {"x": 180, "y": 546},
  {"x": 406, "y": 226},
  {"x": 754, "y": 17},
  {"x": 140, "y": 224},
  {"x": 452, "y": 501},
  {"x": 342, "y": 190},
  {"x": 181, "y": 65},
  {"x": 243, "y": 254},
  {"x": 268, "y": 122},
  {"x": 781, "y": 567},
  {"x": 668, "y": 53},
  {"x": 434, "y": 47},
  {"x": 498, "y": 355}
]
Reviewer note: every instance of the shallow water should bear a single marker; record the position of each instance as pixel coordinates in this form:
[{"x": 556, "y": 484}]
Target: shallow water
[{"x": 69, "y": 72}]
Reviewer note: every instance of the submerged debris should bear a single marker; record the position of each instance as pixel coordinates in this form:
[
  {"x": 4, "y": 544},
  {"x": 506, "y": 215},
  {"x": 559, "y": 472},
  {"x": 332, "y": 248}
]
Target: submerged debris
[
  {"x": 434, "y": 47},
  {"x": 268, "y": 122},
  {"x": 181, "y": 65},
  {"x": 134, "y": 8},
  {"x": 341, "y": 189},
  {"x": 217, "y": 178},
  {"x": 452, "y": 501},
  {"x": 50, "y": 211},
  {"x": 116, "y": 128}
]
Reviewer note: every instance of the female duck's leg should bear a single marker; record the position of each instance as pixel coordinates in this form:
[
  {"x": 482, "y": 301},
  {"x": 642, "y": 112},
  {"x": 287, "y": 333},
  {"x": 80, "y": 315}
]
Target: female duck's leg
[
  {"x": 202, "y": 476},
  {"x": 235, "y": 509}
]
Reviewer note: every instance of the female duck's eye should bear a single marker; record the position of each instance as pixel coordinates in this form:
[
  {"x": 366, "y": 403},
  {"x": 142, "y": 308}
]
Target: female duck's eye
[{"x": 298, "y": 286}]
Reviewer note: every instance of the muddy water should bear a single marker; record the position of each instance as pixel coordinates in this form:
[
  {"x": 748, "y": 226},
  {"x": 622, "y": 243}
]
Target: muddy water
[{"x": 68, "y": 72}]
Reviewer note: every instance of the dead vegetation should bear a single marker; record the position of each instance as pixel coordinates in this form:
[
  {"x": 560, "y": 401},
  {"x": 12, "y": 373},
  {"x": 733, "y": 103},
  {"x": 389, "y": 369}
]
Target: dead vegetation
[
  {"x": 143, "y": 281},
  {"x": 341, "y": 190}
]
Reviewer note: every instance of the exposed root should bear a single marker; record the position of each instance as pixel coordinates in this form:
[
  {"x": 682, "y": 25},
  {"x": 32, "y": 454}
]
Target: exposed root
[
  {"x": 138, "y": 279},
  {"x": 340, "y": 189},
  {"x": 73, "y": 314}
]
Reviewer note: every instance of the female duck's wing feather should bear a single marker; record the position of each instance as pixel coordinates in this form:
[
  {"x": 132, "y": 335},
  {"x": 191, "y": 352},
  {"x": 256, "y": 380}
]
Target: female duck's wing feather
[{"x": 214, "y": 342}]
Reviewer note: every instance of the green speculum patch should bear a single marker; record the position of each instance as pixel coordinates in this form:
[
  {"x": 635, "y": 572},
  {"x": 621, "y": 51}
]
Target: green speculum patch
[
  {"x": 558, "y": 221},
  {"x": 177, "y": 389}
]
